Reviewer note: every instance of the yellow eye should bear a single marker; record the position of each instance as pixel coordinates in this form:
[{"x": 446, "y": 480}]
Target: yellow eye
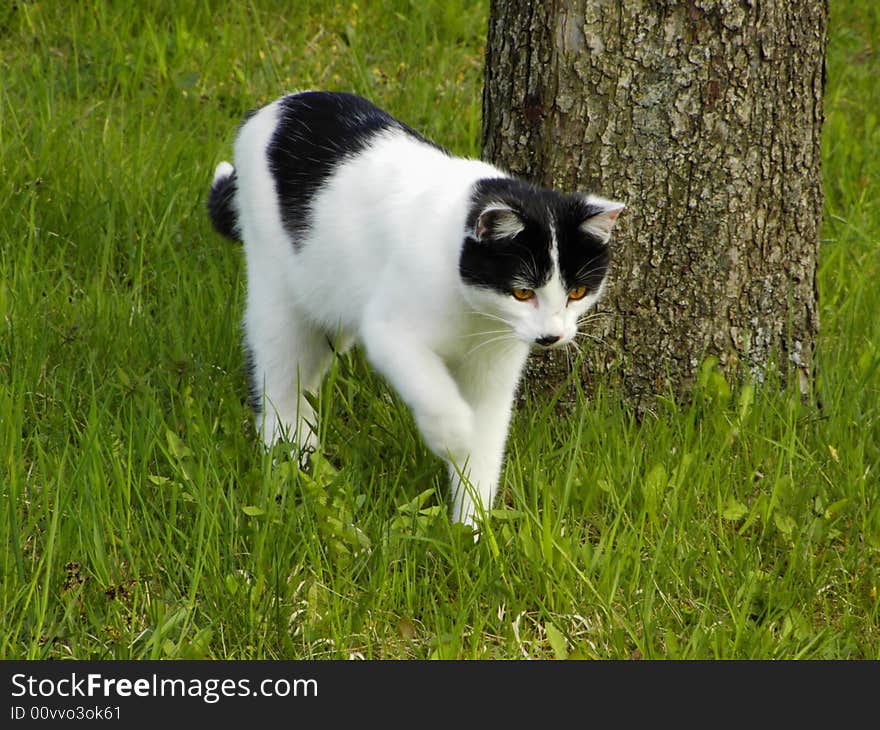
[
  {"x": 577, "y": 293},
  {"x": 523, "y": 295}
]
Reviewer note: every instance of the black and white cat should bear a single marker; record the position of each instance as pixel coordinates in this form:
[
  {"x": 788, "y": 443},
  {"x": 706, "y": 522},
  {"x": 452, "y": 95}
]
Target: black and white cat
[{"x": 446, "y": 271}]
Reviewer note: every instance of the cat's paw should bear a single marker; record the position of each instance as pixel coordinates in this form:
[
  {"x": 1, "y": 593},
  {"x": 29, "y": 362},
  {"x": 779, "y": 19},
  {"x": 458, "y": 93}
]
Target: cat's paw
[
  {"x": 448, "y": 432},
  {"x": 303, "y": 440}
]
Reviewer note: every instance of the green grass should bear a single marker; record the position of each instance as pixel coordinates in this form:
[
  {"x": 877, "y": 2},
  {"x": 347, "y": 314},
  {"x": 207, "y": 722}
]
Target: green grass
[{"x": 139, "y": 519}]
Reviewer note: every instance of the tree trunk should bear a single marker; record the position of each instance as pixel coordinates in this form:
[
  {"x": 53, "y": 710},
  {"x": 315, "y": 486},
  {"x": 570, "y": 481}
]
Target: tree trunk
[{"x": 704, "y": 116}]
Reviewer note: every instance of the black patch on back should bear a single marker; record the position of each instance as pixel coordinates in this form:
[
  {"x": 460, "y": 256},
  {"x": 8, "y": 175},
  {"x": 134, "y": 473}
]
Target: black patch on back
[
  {"x": 317, "y": 131},
  {"x": 525, "y": 258}
]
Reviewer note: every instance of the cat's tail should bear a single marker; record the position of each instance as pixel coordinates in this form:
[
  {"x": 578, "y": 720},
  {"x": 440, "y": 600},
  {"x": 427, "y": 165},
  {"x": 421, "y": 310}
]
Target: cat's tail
[{"x": 221, "y": 202}]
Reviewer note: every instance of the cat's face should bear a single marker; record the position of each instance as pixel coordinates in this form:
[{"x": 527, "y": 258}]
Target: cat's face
[{"x": 536, "y": 259}]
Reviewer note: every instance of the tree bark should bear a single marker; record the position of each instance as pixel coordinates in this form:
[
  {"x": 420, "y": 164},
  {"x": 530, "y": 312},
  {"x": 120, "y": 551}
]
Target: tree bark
[{"x": 705, "y": 117}]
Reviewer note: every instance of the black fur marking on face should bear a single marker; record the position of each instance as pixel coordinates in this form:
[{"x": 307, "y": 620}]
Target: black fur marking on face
[
  {"x": 317, "y": 131},
  {"x": 583, "y": 256},
  {"x": 501, "y": 263}
]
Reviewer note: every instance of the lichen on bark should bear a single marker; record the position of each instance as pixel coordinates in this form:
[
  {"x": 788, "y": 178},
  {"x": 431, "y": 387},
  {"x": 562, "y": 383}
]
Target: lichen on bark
[{"x": 705, "y": 117}]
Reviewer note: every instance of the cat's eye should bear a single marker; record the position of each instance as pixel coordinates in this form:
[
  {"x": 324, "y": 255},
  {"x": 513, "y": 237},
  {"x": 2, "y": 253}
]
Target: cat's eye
[
  {"x": 523, "y": 295},
  {"x": 577, "y": 293}
]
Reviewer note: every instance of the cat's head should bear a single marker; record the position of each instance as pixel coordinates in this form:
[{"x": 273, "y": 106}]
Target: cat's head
[{"x": 535, "y": 258}]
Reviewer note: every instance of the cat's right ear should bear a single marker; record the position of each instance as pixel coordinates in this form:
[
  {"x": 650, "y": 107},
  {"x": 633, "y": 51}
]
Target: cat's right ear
[
  {"x": 603, "y": 216},
  {"x": 497, "y": 222}
]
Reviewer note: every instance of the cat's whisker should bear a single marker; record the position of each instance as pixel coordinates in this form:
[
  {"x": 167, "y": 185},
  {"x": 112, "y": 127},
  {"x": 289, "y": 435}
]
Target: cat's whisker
[
  {"x": 586, "y": 270},
  {"x": 485, "y": 333},
  {"x": 584, "y": 327},
  {"x": 492, "y": 334},
  {"x": 498, "y": 338},
  {"x": 591, "y": 336},
  {"x": 492, "y": 340},
  {"x": 574, "y": 354},
  {"x": 489, "y": 315},
  {"x": 589, "y": 318},
  {"x": 582, "y": 270},
  {"x": 533, "y": 267},
  {"x": 567, "y": 357},
  {"x": 597, "y": 341}
]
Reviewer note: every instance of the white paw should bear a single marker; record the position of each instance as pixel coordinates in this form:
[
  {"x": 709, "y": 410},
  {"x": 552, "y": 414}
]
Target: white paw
[
  {"x": 471, "y": 498},
  {"x": 464, "y": 510},
  {"x": 275, "y": 430}
]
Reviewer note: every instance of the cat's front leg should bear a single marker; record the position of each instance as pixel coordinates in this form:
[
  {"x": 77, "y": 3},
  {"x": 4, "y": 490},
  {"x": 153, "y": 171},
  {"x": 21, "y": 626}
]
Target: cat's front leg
[
  {"x": 489, "y": 385},
  {"x": 474, "y": 484},
  {"x": 422, "y": 379}
]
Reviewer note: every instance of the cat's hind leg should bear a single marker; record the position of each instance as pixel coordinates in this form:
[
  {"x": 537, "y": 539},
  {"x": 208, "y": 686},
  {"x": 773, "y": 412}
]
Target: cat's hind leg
[{"x": 287, "y": 358}]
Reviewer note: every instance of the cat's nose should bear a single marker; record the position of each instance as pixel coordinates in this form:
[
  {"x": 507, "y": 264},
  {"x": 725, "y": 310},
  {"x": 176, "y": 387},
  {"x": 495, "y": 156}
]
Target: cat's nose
[{"x": 548, "y": 340}]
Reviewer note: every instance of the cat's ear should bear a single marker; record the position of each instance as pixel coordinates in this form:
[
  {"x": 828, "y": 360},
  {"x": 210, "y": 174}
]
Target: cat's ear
[
  {"x": 497, "y": 222},
  {"x": 601, "y": 222}
]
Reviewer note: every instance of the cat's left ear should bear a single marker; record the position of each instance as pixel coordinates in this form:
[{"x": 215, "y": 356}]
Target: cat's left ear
[
  {"x": 601, "y": 222},
  {"x": 497, "y": 222}
]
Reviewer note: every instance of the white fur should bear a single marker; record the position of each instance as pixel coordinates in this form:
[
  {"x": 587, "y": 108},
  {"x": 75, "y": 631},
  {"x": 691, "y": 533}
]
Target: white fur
[{"x": 380, "y": 268}]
